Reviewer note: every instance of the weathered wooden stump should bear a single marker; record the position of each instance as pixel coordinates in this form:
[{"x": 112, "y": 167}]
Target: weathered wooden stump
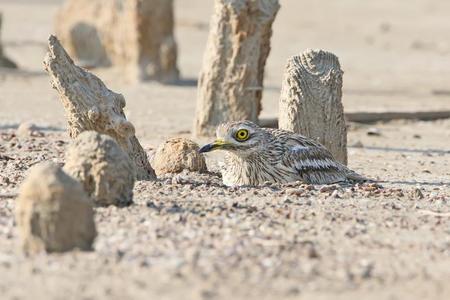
[
  {"x": 310, "y": 101},
  {"x": 90, "y": 105},
  {"x": 135, "y": 35},
  {"x": 231, "y": 80},
  {"x": 5, "y": 62}
]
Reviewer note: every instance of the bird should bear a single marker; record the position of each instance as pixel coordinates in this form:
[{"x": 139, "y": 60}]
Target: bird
[{"x": 256, "y": 155}]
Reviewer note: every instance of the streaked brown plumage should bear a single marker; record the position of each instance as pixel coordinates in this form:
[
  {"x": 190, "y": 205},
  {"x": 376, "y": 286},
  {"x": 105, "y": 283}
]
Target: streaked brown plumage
[{"x": 256, "y": 155}]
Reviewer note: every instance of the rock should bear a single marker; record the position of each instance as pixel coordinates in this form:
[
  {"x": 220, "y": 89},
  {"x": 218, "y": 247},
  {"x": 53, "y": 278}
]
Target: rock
[
  {"x": 231, "y": 80},
  {"x": 373, "y": 131},
  {"x": 176, "y": 155},
  {"x": 327, "y": 188},
  {"x": 294, "y": 192},
  {"x": 136, "y": 36},
  {"x": 28, "y": 129},
  {"x": 417, "y": 193},
  {"x": 53, "y": 212},
  {"x": 335, "y": 195},
  {"x": 104, "y": 169},
  {"x": 358, "y": 144},
  {"x": 90, "y": 105}
]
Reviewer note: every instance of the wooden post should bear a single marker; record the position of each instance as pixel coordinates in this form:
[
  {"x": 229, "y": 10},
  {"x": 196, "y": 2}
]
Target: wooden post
[
  {"x": 231, "y": 80},
  {"x": 90, "y": 105},
  {"x": 134, "y": 35},
  {"x": 310, "y": 101}
]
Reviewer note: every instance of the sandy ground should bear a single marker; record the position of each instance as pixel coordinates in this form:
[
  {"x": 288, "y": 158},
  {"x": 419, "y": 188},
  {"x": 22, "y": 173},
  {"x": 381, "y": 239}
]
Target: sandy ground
[{"x": 189, "y": 237}]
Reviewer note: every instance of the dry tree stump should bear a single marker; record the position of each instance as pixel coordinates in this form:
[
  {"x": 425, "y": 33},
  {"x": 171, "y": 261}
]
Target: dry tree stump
[
  {"x": 104, "y": 169},
  {"x": 90, "y": 105},
  {"x": 5, "y": 62},
  {"x": 134, "y": 35},
  {"x": 53, "y": 212},
  {"x": 231, "y": 80},
  {"x": 310, "y": 101}
]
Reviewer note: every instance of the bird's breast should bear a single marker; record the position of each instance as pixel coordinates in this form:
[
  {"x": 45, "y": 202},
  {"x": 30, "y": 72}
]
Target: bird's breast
[{"x": 253, "y": 170}]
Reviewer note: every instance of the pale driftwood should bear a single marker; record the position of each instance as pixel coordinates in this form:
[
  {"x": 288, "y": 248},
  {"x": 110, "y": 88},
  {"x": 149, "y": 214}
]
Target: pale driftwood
[
  {"x": 231, "y": 80},
  {"x": 53, "y": 212},
  {"x": 371, "y": 117},
  {"x": 5, "y": 62},
  {"x": 90, "y": 105},
  {"x": 134, "y": 35},
  {"x": 310, "y": 101},
  {"x": 104, "y": 169}
]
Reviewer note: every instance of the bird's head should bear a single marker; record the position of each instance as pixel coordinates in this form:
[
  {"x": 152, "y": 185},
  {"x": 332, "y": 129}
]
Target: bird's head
[{"x": 241, "y": 138}]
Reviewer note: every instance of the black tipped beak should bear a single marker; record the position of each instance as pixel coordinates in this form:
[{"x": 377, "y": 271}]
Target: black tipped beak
[
  {"x": 206, "y": 148},
  {"x": 218, "y": 144}
]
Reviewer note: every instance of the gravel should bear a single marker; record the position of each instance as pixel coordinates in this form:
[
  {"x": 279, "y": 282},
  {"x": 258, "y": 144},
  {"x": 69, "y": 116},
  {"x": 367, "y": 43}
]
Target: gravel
[{"x": 189, "y": 236}]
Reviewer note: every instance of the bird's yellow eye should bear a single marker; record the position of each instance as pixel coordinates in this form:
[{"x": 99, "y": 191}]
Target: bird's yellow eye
[{"x": 242, "y": 135}]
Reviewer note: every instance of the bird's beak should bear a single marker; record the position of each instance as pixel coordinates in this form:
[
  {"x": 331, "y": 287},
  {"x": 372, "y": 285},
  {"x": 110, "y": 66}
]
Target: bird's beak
[{"x": 217, "y": 144}]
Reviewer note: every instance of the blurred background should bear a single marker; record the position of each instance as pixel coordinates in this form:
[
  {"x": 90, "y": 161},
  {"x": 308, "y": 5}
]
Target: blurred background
[
  {"x": 395, "y": 57},
  {"x": 181, "y": 237}
]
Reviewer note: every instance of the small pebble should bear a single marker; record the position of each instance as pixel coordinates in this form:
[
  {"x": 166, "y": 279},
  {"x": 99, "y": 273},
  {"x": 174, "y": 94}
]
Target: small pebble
[
  {"x": 417, "y": 193},
  {"x": 373, "y": 131},
  {"x": 358, "y": 144}
]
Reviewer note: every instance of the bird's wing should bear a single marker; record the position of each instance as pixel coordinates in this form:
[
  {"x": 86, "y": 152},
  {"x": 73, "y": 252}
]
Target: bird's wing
[{"x": 311, "y": 160}]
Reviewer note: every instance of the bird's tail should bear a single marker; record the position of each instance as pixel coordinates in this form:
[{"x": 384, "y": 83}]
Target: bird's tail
[{"x": 353, "y": 176}]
